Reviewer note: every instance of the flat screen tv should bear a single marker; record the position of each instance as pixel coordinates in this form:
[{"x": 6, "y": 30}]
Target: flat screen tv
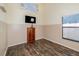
[{"x": 30, "y": 19}]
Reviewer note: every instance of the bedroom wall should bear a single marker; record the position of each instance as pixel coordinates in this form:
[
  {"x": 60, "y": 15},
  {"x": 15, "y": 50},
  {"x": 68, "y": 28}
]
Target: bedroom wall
[
  {"x": 53, "y": 23},
  {"x": 3, "y": 38},
  {"x": 3, "y": 33},
  {"x": 17, "y": 29}
]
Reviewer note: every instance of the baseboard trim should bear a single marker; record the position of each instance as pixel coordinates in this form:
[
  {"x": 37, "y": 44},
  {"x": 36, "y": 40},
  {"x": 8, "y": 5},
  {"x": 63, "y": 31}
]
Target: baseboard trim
[
  {"x": 16, "y": 44},
  {"x": 64, "y": 45}
]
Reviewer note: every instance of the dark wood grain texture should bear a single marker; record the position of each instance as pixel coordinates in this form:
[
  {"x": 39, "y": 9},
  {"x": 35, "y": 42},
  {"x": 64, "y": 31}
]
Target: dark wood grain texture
[
  {"x": 30, "y": 35},
  {"x": 41, "y": 47}
]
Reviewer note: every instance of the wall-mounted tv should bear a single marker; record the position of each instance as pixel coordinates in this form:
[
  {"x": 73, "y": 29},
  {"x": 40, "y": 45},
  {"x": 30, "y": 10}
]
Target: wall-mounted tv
[{"x": 30, "y": 19}]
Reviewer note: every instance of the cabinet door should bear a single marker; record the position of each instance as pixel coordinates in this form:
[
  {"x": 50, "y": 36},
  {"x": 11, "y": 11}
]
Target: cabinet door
[
  {"x": 33, "y": 34},
  {"x": 30, "y": 35}
]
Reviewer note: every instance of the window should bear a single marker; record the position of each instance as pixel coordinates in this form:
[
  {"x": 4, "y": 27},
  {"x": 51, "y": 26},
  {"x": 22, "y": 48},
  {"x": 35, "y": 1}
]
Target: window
[
  {"x": 70, "y": 27},
  {"x": 71, "y": 19}
]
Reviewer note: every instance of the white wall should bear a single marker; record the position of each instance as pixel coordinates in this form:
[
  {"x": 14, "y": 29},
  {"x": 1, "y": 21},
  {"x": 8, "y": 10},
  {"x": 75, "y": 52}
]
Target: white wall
[
  {"x": 53, "y": 23},
  {"x": 3, "y": 33},
  {"x": 3, "y": 38},
  {"x": 17, "y": 29},
  {"x": 16, "y": 34}
]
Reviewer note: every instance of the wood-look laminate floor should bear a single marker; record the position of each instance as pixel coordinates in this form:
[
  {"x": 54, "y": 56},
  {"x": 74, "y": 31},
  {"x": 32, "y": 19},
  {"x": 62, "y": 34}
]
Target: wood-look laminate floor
[{"x": 41, "y": 47}]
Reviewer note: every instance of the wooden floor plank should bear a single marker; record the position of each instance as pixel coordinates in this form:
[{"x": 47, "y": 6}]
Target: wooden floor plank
[{"x": 41, "y": 47}]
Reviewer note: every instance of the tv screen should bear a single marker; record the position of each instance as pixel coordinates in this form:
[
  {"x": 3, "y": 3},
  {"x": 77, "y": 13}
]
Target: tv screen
[{"x": 30, "y": 19}]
